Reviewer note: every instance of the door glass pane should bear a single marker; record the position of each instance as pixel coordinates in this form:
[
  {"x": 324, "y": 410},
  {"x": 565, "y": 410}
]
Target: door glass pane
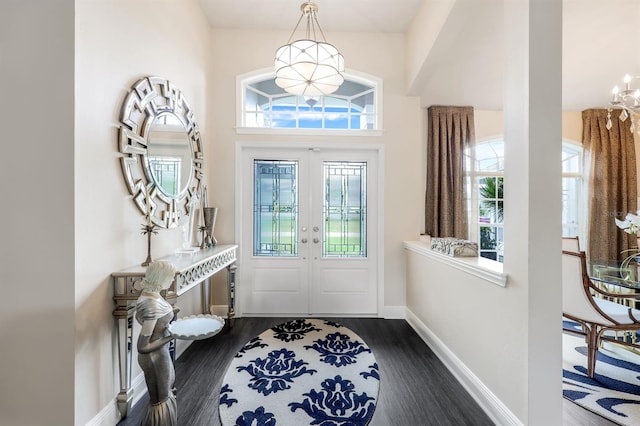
[
  {"x": 275, "y": 208},
  {"x": 166, "y": 173},
  {"x": 344, "y": 210}
]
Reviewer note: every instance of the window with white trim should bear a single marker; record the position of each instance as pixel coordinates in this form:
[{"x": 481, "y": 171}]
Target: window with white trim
[
  {"x": 486, "y": 182},
  {"x": 354, "y": 106},
  {"x": 486, "y": 202},
  {"x": 573, "y": 208}
]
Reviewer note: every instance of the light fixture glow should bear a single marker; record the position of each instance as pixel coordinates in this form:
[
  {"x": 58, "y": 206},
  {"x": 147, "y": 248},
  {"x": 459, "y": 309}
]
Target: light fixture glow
[
  {"x": 626, "y": 100},
  {"x": 308, "y": 67}
]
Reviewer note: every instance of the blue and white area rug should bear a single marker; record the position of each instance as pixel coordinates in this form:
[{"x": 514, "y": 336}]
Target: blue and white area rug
[
  {"x": 302, "y": 372},
  {"x": 614, "y": 392}
]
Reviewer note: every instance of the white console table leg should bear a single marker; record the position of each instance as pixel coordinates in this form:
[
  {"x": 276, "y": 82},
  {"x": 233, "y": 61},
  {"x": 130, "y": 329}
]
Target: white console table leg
[
  {"x": 205, "y": 292},
  {"x": 124, "y": 338}
]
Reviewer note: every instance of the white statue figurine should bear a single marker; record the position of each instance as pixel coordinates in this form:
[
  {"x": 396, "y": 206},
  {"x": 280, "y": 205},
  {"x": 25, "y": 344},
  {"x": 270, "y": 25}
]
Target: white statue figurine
[{"x": 154, "y": 313}]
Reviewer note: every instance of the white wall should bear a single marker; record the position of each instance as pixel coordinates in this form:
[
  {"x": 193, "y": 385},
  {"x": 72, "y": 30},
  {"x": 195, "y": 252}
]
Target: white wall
[
  {"x": 402, "y": 133},
  {"x": 37, "y": 214},
  {"x": 476, "y": 320},
  {"x": 490, "y": 124},
  {"x": 518, "y": 356},
  {"x": 421, "y": 36},
  {"x": 117, "y": 43}
]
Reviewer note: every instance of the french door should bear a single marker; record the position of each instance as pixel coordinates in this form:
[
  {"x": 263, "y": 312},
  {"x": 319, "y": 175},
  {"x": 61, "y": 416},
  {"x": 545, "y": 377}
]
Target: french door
[{"x": 308, "y": 232}]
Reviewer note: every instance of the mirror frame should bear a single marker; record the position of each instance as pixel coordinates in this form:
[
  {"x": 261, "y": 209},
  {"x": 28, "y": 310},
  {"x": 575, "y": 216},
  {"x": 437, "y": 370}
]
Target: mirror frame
[{"x": 150, "y": 97}]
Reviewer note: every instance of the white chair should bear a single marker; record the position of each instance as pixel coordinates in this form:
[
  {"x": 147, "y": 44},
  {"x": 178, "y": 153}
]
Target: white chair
[
  {"x": 595, "y": 315},
  {"x": 571, "y": 244}
]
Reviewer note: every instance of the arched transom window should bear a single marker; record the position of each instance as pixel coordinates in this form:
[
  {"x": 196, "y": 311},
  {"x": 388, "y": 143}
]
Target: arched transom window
[{"x": 354, "y": 106}]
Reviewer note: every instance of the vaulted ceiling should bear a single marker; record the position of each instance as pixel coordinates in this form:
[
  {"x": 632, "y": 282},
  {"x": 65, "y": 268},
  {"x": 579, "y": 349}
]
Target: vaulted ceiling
[
  {"x": 599, "y": 42},
  {"x": 387, "y": 16}
]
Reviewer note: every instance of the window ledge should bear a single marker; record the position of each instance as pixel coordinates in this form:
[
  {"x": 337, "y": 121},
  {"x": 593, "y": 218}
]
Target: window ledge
[
  {"x": 487, "y": 269},
  {"x": 312, "y": 132}
]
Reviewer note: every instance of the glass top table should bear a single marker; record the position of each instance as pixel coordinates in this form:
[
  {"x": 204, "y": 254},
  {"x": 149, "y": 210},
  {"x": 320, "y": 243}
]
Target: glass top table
[{"x": 614, "y": 273}]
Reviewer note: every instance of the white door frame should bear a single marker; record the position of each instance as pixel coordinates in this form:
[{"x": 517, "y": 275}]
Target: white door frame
[{"x": 378, "y": 149}]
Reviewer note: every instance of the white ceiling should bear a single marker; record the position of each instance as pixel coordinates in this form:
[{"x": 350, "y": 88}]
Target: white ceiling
[
  {"x": 600, "y": 46},
  {"x": 600, "y": 42},
  {"x": 387, "y": 16}
]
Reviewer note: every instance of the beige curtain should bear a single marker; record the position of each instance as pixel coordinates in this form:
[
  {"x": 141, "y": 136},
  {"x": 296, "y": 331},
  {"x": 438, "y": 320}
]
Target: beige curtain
[
  {"x": 610, "y": 166},
  {"x": 450, "y": 132}
]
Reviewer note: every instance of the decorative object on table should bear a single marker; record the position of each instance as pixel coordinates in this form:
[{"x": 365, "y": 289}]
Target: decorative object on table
[
  {"x": 614, "y": 391},
  {"x": 203, "y": 233},
  {"x": 187, "y": 228},
  {"x": 157, "y": 127},
  {"x": 425, "y": 238},
  {"x": 201, "y": 221},
  {"x": 207, "y": 221},
  {"x": 306, "y": 371},
  {"x": 454, "y": 247},
  {"x": 630, "y": 225},
  {"x": 196, "y": 327},
  {"x": 155, "y": 314},
  {"x": 308, "y": 67},
  {"x": 210, "y": 214},
  {"x": 148, "y": 228}
]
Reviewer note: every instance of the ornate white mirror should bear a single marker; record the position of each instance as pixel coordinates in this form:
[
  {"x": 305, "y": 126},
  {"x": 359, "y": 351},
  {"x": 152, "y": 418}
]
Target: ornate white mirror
[{"x": 161, "y": 151}]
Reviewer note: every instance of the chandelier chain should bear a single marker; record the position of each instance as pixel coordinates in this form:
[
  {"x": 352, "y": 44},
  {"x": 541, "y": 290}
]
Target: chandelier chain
[
  {"x": 315, "y": 18},
  {"x": 295, "y": 29}
]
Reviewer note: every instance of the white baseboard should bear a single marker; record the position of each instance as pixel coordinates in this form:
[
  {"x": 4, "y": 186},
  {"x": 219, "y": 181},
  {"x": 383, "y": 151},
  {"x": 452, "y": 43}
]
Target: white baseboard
[
  {"x": 488, "y": 401},
  {"x": 110, "y": 415},
  {"x": 387, "y": 312},
  {"x": 394, "y": 312},
  {"x": 219, "y": 310}
]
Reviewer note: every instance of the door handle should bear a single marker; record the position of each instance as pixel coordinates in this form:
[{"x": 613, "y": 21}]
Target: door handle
[
  {"x": 303, "y": 241},
  {"x": 316, "y": 240}
]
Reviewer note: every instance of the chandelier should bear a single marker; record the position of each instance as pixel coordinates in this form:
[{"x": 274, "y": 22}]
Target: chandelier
[
  {"x": 308, "y": 67},
  {"x": 627, "y": 100}
]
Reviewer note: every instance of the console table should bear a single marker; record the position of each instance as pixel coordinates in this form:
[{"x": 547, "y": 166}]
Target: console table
[{"x": 192, "y": 270}]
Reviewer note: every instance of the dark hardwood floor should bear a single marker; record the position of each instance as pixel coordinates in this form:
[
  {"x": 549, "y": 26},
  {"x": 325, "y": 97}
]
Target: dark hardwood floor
[{"x": 416, "y": 389}]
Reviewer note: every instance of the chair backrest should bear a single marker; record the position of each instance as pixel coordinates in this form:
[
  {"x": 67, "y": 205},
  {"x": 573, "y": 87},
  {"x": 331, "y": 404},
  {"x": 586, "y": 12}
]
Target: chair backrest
[
  {"x": 571, "y": 244},
  {"x": 576, "y": 297}
]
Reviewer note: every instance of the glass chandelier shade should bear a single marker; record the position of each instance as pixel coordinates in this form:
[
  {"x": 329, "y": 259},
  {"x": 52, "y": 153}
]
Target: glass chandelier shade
[{"x": 307, "y": 67}]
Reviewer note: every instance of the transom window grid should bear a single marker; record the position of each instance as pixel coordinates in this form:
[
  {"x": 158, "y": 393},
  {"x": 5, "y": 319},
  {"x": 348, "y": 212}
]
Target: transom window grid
[
  {"x": 275, "y": 208},
  {"x": 345, "y": 209},
  {"x": 352, "y": 107}
]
